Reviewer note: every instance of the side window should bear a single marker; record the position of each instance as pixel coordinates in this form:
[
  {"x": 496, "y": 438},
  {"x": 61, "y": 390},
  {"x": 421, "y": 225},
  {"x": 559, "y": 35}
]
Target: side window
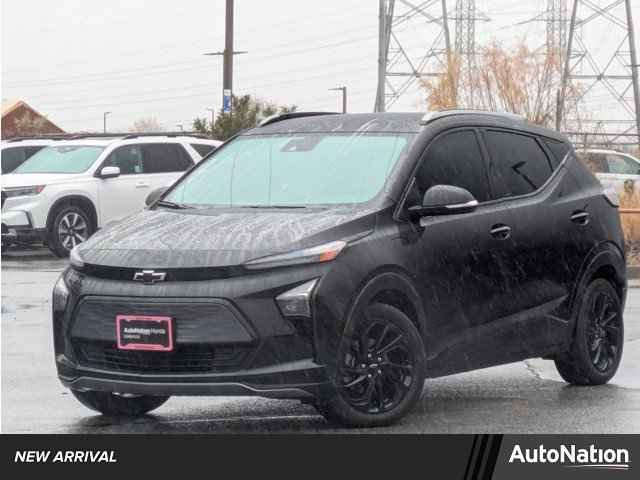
[
  {"x": 519, "y": 165},
  {"x": 622, "y": 165},
  {"x": 127, "y": 158},
  {"x": 165, "y": 158},
  {"x": 596, "y": 162},
  {"x": 559, "y": 150},
  {"x": 454, "y": 159},
  {"x": 203, "y": 149}
]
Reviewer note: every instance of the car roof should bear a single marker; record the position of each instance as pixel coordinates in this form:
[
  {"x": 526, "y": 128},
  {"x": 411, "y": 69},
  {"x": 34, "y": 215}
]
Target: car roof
[
  {"x": 300, "y": 122},
  {"x": 32, "y": 142},
  {"x": 127, "y": 139}
]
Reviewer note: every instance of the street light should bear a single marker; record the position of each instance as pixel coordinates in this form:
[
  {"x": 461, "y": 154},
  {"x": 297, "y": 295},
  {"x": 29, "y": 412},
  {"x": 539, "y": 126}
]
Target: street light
[
  {"x": 344, "y": 96},
  {"x": 104, "y": 121},
  {"x": 213, "y": 116}
]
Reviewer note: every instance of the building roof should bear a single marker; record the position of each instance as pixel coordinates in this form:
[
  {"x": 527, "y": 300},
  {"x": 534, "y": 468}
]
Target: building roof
[{"x": 9, "y": 105}]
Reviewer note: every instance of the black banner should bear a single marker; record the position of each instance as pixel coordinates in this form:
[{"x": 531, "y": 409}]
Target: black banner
[{"x": 467, "y": 457}]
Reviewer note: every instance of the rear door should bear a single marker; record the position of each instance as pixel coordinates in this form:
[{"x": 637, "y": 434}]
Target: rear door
[
  {"x": 163, "y": 164},
  {"x": 547, "y": 217}
]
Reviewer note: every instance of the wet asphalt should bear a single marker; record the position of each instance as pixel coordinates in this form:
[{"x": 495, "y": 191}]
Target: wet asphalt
[{"x": 525, "y": 397}]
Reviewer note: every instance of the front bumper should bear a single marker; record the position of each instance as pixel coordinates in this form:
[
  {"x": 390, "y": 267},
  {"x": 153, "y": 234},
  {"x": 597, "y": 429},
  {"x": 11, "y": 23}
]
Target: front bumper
[
  {"x": 230, "y": 338},
  {"x": 17, "y": 227}
]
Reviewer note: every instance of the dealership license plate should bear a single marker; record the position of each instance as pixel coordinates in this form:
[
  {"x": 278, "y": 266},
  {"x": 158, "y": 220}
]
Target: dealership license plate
[{"x": 139, "y": 332}]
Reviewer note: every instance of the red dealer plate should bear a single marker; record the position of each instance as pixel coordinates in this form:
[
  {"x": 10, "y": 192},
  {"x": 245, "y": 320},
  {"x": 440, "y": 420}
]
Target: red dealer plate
[{"x": 140, "y": 332}]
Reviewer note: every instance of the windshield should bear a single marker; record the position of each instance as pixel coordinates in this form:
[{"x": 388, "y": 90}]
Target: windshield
[
  {"x": 61, "y": 159},
  {"x": 293, "y": 170}
]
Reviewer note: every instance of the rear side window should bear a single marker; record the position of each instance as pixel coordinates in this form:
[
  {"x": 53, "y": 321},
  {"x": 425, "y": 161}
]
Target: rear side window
[
  {"x": 164, "y": 158},
  {"x": 519, "y": 165},
  {"x": 558, "y": 149},
  {"x": 203, "y": 149},
  {"x": 455, "y": 159}
]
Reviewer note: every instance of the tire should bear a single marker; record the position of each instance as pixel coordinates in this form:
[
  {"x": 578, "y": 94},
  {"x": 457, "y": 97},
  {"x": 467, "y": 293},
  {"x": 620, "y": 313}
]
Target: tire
[
  {"x": 380, "y": 370},
  {"x": 599, "y": 328},
  {"x": 71, "y": 226},
  {"x": 118, "y": 406}
]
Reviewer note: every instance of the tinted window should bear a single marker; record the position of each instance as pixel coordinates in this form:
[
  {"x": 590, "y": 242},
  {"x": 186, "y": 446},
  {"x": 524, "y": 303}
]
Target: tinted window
[
  {"x": 454, "y": 159},
  {"x": 519, "y": 164},
  {"x": 559, "y": 150},
  {"x": 13, "y": 157},
  {"x": 203, "y": 149},
  {"x": 165, "y": 157},
  {"x": 622, "y": 165},
  {"x": 67, "y": 159},
  {"x": 128, "y": 159}
]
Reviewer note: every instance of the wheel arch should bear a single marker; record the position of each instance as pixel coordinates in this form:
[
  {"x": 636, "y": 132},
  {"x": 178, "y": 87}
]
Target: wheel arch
[
  {"x": 80, "y": 201},
  {"x": 391, "y": 286},
  {"x": 604, "y": 261}
]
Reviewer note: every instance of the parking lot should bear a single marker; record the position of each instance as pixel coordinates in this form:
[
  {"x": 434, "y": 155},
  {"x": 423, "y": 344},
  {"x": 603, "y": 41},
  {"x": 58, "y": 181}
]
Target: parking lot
[{"x": 522, "y": 397}]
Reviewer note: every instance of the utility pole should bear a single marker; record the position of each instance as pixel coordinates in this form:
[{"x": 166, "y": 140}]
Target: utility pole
[
  {"x": 344, "y": 96},
  {"x": 602, "y": 72},
  {"x": 227, "y": 54},
  {"x": 104, "y": 121},
  {"x": 634, "y": 66}
]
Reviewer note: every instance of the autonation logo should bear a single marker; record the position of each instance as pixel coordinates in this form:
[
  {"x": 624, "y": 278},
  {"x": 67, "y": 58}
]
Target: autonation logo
[{"x": 573, "y": 457}]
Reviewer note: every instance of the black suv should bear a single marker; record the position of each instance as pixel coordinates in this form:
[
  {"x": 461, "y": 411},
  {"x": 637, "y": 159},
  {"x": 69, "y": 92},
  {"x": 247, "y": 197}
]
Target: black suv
[{"x": 343, "y": 259}]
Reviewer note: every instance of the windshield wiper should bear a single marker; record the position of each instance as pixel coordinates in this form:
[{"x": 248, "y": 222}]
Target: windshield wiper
[
  {"x": 274, "y": 206},
  {"x": 173, "y": 205}
]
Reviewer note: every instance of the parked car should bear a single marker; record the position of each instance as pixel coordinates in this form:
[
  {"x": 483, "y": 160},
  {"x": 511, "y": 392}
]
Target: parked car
[
  {"x": 66, "y": 191},
  {"x": 16, "y": 151},
  {"x": 616, "y": 170},
  {"x": 343, "y": 259}
]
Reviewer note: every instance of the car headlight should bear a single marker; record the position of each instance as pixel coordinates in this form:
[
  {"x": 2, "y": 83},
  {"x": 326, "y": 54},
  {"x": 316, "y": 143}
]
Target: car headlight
[
  {"x": 297, "y": 301},
  {"x": 75, "y": 259},
  {"x": 23, "y": 191},
  {"x": 60, "y": 295},
  {"x": 319, "y": 254}
]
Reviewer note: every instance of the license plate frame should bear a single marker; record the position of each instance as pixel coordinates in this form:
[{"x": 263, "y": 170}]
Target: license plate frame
[{"x": 149, "y": 333}]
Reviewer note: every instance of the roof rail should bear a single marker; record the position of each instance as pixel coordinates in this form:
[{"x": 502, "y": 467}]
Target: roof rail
[
  {"x": 432, "y": 116},
  {"x": 130, "y": 135},
  {"x": 47, "y": 136},
  {"x": 291, "y": 115}
]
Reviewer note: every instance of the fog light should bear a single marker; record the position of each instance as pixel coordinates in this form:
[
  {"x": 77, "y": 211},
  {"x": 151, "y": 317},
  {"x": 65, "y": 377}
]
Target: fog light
[
  {"x": 60, "y": 295},
  {"x": 297, "y": 301}
]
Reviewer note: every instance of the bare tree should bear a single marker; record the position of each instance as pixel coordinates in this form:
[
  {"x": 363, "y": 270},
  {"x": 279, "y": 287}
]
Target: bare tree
[
  {"x": 516, "y": 80},
  {"x": 149, "y": 124}
]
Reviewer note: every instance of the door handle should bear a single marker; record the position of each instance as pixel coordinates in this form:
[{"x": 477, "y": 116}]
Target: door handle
[
  {"x": 580, "y": 217},
  {"x": 142, "y": 185},
  {"x": 501, "y": 232}
]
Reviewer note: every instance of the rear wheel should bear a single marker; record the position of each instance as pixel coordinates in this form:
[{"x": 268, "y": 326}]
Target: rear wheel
[
  {"x": 596, "y": 351},
  {"x": 71, "y": 226},
  {"x": 114, "y": 405},
  {"x": 380, "y": 370}
]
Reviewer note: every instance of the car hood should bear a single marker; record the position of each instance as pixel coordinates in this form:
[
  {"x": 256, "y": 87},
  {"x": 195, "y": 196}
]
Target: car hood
[
  {"x": 167, "y": 239},
  {"x": 29, "y": 179}
]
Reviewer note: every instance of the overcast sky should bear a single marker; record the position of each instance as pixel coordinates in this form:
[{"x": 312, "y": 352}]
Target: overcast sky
[{"x": 74, "y": 59}]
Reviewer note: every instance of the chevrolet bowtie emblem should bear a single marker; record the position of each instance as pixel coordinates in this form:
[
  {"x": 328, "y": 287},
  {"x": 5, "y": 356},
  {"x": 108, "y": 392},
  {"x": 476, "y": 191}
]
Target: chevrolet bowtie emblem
[{"x": 149, "y": 277}]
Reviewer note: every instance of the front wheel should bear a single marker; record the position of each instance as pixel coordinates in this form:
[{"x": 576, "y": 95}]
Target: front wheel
[
  {"x": 596, "y": 351},
  {"x": 114, "y": 405},
  {"x": 71, "y": 226},
  {"x": 380, "y": 370}
]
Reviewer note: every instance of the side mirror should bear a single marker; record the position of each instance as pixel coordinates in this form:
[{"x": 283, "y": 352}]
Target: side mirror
[
  {"x": 110, "y": 172},
  {"x": 155, "y": 195},
  {"x": 445, "y": 200}
]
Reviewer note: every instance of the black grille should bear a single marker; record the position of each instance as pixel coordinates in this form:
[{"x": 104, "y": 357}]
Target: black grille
[
  {"x": 172, "y": 274},
  {"x": 184, "y": 359}
]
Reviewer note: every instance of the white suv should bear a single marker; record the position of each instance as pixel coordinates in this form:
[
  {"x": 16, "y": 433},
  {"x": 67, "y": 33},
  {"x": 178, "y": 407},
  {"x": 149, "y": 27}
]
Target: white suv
[
  {"x": 614, "y": 169},
  {"x": 66, "y": 191}
]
